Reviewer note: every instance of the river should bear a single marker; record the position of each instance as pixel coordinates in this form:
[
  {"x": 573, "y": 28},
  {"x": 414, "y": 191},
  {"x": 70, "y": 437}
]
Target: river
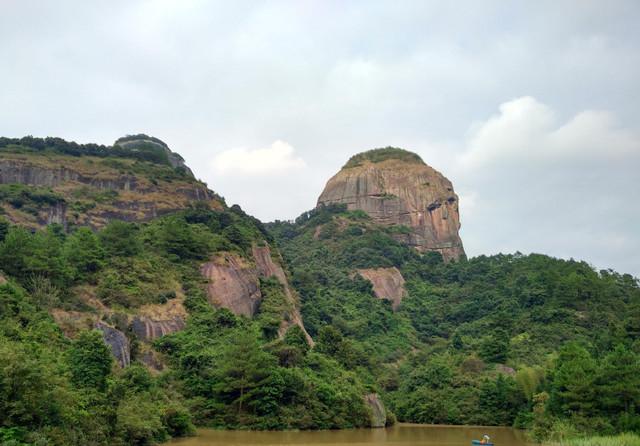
[{"x": 399, "y": 435}]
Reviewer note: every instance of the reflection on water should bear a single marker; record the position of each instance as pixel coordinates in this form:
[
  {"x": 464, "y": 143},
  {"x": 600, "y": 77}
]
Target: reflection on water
[{"x": 401, "y": 434}]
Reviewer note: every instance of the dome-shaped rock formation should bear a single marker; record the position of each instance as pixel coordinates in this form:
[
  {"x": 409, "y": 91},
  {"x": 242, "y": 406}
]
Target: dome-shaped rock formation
[{"x": 395, "y": 187}]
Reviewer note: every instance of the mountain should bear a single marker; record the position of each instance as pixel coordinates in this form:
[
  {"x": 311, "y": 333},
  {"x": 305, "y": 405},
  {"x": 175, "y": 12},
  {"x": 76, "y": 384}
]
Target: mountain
[
  {"x": 396, "y": 188},
  {"x": 135, "y": 304},
  {"x": 44, "y": 181}
]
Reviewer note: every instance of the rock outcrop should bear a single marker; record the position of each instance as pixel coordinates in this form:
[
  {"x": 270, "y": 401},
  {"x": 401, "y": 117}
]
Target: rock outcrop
[
  {"x": 378, "y": 411},
  {"x": 234, "y": 283},
  {"x": 268, "y": 268},
  {"x": 156, "y": 320},
  {"x": 118, "y": 343},
  {"x": 90, "y": 191},
  {"x": 388, "y": 284},
  {"x": 397, "y": 188},
  {"x": 143, "y": 142},
  {"x": 149, "y": 323}
]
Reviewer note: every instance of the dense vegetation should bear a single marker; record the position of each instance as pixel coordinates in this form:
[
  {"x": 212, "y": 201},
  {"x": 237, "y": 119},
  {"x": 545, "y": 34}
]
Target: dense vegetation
[
  {"x": 508, "y": 339},
  {"x": 531, "y": 341},
  {"x": 224, "y": 370},
  {"x": 383, "y": 154},
  {"x": 154, "y": 153}
]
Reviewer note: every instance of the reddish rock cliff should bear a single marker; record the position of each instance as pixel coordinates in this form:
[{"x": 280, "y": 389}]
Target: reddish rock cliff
[
  {"x": 396, "y": 187},
  {"x": 233, "y": 283},
  {"x": 388, "y": 284}
]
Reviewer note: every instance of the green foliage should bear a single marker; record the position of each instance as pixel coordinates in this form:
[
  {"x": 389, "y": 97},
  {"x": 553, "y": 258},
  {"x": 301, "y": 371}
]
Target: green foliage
[
  {"x": 28, "y": 198},
  {"x": 383, "y": 154},
  {"x": 542, "y": 343},
  {"x": 150, "y": 153},
  {"x": 617, "y": 440},
  {"x": 90, "y": 361},
  {"x": 235, "y": 378},
  {"x": 120, "y": 238},
  {"x": 83, "y": 255},
  {"x": 445, "y": 355}
]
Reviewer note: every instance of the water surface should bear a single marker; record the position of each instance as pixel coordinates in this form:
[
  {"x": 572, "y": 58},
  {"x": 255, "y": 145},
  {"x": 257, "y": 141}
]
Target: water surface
[{"x": 399, "y": 435}]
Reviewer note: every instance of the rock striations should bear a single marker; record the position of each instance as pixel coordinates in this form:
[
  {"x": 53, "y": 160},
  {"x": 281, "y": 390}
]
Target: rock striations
[{"x": 396, "y": 188}]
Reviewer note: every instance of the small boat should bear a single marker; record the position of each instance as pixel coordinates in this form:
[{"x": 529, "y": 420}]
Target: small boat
[{"x": 478, "y": 442}]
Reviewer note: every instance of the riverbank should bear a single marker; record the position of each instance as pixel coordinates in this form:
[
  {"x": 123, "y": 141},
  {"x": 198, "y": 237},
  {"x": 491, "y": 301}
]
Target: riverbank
[
  {"x": 399, "y": 434},
  {"x": 616, "y": 440}
]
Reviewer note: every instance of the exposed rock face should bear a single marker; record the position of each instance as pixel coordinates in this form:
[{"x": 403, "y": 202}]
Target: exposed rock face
[
  {"x": 147, "y": 329},
  {"x": 154, "y": 321},
  {"x": 233, "y": 284},
  {"x": 388, "y": 284},
  {"x": 24, "y": 171},
  {"x": 401, "y": 190},
  {"x": 118, "y": 342},
  {"x": 91, "y": 191},
  {"x": 378, "y": 412},
  {"x": 268, "y": 268}
]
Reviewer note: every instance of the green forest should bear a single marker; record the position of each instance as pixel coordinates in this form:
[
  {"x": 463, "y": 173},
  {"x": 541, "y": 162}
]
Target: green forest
[
  {"x": 516, "y": 340},
  {"x": 527, "y": 341},
  {"x": 225, "y": 371}
]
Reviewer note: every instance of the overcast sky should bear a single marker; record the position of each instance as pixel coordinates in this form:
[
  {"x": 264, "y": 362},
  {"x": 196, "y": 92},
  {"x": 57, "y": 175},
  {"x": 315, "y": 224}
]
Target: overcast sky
[{"x": 530, "y": 108}]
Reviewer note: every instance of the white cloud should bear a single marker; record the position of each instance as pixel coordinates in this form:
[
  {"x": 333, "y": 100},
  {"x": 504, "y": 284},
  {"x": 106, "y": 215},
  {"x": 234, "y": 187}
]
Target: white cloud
[
  {"x": 534, "y": 182},
  {"x": 278, "y": 158},
  {"x": 526, "y": 130}
]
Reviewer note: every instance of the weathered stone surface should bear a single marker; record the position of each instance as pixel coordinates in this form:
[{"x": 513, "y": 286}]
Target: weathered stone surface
[
  {"x": 22, "y": 171},
  {"x": 398, "y": 192},
  {"x": 268, "y": 268},
  {"x": 378, "y": 412},
  {"x": 135, "y": 197},
  {"x": 148, "y": 329},
  {"x": 154, "y": 321},
  {"x": 388, "y": 284},
  {"x": 233, "y": 284},
  {"x": 117, "y": 341}
]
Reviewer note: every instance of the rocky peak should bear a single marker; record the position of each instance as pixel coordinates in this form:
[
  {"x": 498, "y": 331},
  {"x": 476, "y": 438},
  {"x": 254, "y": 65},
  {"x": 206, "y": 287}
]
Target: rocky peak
[
  {"x": 396, "y": 188},
  {"x": 142, "y": 142}
]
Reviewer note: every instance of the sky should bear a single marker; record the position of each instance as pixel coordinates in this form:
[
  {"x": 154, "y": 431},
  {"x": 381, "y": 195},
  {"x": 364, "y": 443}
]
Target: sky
[{"x": 531, "y": 109}]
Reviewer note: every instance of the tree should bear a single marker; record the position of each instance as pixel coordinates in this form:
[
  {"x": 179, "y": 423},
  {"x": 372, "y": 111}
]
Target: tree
[
  {"x": 495, "y": 347},
  {"x": 243, "y": 367},
  {"x": 619, "y": 381},
  {"x": 120, "y": 238},
  {"x": 90, "y": 361},
  {"x": 82, "y": 253},
  {"x": 573, "y": 386}
]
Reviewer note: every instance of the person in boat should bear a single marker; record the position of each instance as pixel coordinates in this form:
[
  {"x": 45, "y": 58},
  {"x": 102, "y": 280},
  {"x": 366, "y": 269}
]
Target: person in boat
[{"x": 485, "y": 439}]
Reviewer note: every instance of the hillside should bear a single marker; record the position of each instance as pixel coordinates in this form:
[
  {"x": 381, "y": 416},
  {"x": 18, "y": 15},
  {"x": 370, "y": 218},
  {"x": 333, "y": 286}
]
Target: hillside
[
  {"x": 136, "y": 304},
  {"x": 44, "y": 181},
  {"x": 121, "y": 326},
  {"x": 480, "y": 341}
]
